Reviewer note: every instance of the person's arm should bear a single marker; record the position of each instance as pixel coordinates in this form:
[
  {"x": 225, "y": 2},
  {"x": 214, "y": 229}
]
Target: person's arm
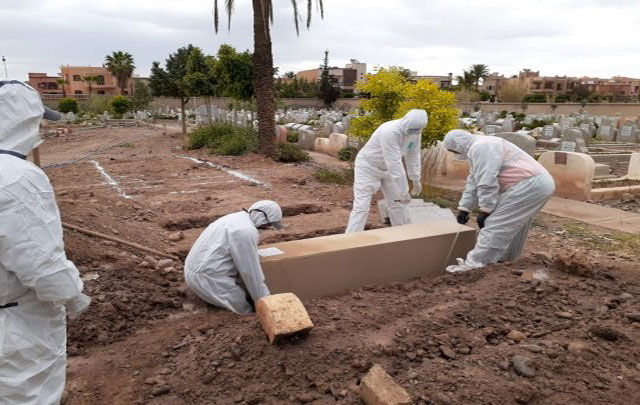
[
  {"x": 243, "y": 246},
  {"x": 469, "y": 197},
  {"x": 487, "y": 162},
  {"x": 31, "y": 244},
  {"x": 413, "y": 159},
  {"x": 392, "y": 154}
]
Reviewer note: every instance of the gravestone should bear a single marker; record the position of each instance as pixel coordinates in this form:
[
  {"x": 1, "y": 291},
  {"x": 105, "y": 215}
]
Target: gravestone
[
  {"x": 336, "y": 143},
  {"x": 338, "y": 128},
  {"x": 550, "y": 132},
  {"x": 492, "y": 129},
  {"x": 525, "y": 142},
  {"x": 321, "y": 145},
  {"x": 634, "y": 167},
  {"x": 628, "y": 133},
  {"x": 281, "y": 134},
  {"x": 575, "y": 135},
  {"x": 507, "y": 124},
  {"x": 572, "y": 172},
  {"x": 71, "y": 117},
  {"x": 306, "y": 139},
  {"x": 606, "y": 132}
]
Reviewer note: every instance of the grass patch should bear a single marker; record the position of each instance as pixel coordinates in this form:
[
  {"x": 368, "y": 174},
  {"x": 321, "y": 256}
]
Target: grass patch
[
  {"x": 329, "y": 176},
  {"x": 440, "y": 197},
  {"x": 292, "y": 136},
  {"x": 347, "y": 154},
  {"x": 289, "y": 152},
  {"x": 595, "y": 239},
  {"x": 224, "y": 139}
]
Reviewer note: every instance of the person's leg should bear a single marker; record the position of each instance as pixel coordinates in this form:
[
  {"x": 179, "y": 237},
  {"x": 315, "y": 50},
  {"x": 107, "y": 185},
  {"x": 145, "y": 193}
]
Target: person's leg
[
  {"x": 398, "y": 212},
  {"x": 221, "y": 291},
  {"x": 365, "y": 185},
  {"x": 516, "y": 247},
  {"x": 510, "y": 220}
]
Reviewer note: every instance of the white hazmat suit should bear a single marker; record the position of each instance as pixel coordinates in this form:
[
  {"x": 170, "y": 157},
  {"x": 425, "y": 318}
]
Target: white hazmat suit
[
  {"x": 223, "y": 265},
  {"x": 379, "y": 165},
  {"x": 36, "y": 279},
  {"x": 508, "y": 185}
]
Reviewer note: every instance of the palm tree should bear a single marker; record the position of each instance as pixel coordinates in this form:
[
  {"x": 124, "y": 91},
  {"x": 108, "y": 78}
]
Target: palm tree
[
  {"x": 121, "y": 66},
  {"x": 263, "y": 70},
  {"x": 63, "y": 82},
  {"x": 90, "y": 80},
  {"x": 466, "y": 81},
  {"x": 479, "y": 72}
]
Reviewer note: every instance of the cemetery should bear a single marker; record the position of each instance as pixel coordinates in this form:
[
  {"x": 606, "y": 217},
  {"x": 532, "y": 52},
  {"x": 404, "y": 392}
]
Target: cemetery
[{"x": 557, "y": 326}]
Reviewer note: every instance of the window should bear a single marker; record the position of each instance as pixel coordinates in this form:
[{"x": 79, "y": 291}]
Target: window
[
  {"x": 52, "y": 86},
  {"x": 125, "y": 93},
  {"x": 100, "y": 80},
  {"x": 78, "y": 92},
  {"x": 559, "y": 86},
  {"x": 100, "y": 91},
  {"x": 548, "y": 85},
  {"x": 77, "y": 78},
  {"x": 42, "y": 85}
]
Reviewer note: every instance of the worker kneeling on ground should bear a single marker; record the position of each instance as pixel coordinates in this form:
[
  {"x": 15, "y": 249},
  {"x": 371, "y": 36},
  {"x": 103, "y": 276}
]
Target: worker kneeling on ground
[
  {"x": 379, "y": 165},
  {"x": 508, "y": 185},
  {"x": 223, "y": 265},
  {"x": 38, "y": 285}
]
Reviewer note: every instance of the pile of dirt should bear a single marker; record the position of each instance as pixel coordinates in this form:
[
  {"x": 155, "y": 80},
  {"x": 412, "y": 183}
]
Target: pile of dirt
[{"x": 490, "y": 336}]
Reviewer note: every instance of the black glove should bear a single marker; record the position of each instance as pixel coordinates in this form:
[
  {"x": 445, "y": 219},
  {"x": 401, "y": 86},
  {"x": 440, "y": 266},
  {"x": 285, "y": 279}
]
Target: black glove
[
  {"x": 463, "y": 217},
  {"x": 482, "y": 216}
]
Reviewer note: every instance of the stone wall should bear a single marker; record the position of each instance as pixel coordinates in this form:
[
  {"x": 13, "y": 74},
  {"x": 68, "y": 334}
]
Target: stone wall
[{"x": 626, "y": 109}]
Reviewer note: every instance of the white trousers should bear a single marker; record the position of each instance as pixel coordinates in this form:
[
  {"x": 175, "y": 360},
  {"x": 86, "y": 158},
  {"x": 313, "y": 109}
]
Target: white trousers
[
  {"x": 506, "y": 229},
  {"x": 367, "y": 182}
]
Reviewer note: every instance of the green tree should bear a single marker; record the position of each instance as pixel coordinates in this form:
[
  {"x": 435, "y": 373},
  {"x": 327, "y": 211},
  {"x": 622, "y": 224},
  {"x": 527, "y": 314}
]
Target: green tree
[
  {"x": 90, "y": 80},
  {"x": 263, "y": 69},
  {"x": 121, "y": 65},
  {"x": 199, "y": 79},
  {"x": 142, "y": 96},
  {"x": 466, "y": 81},
  {"x": 169, "y": 82},
  {"x": 66, "y": 105},
  {"x": 63, "y": 83},
  {"x": 479, "y": 72},
  {"x": 289, "y": 75},
  {"x": 234, "y": 73},
  {"x": 121, "y": 104},
  {"x": 391, "y": 96},
  {"x": 327, "y": 92}
]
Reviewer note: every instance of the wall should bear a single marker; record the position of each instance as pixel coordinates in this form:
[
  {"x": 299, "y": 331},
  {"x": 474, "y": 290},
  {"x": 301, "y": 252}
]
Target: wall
[{"x": 625, "y": 109}]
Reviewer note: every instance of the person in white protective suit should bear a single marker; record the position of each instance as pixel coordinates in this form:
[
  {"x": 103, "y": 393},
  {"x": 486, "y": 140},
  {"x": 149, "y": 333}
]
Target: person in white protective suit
[
  {"x": 509, "y": 187},
  {"x": 379, "y": 165},
  {"x": 38, "y": 285},
  {"x": 223, "y": 265}
]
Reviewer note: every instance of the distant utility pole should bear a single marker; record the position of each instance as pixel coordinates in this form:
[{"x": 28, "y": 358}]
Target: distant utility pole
[{"x": 4, "y": 61}]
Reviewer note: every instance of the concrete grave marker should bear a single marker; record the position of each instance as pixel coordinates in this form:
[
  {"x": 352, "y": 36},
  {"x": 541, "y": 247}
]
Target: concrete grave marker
[
  {"x": 634, "y": 167},
  {"x": 525, "y": 142},
  {"x": 572, "y": 172}
]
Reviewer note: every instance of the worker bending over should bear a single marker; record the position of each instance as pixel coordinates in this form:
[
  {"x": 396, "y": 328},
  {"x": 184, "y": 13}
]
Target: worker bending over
[
  {"x": 223, "y": 265},
  {"x": 379, "y": 165},
  {"x": 38, "y": 285},
  {"x": 508, "y": 185}
]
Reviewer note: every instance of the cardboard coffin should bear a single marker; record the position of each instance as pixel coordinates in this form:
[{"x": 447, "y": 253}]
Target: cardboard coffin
[{"x": 328, "y": 265}]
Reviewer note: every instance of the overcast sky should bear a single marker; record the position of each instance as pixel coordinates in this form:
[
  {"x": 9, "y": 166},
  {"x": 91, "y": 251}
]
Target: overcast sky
[{"x": 434, "y": 37}]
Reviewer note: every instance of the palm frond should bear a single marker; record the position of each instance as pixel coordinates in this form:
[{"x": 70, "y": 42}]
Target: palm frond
[
  {"x": 229, "y": 7},
  {"x": 309, "y": 5},
  {"x": 271, "y": 11},
  {"x": 216, "y": 17},
  {"x": 295, "y": 15},
  {"x": 321, "y": 7}
]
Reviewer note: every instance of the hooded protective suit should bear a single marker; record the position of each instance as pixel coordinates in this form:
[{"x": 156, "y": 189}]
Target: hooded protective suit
[
  {"x": 36, "y": 279},
  {"x": 379, "y": 165},
  {"x": 508, "y": 185},
  {"x": 223, "y": 265}
]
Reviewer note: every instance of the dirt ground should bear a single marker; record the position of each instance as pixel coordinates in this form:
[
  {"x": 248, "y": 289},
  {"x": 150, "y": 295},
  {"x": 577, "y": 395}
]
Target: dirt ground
[{"x": 569, "y": 311}]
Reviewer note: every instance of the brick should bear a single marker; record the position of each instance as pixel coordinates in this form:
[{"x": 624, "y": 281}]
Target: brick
[
  {"x": 379, "y": 388},
  {"x": 282, "y": 315}
]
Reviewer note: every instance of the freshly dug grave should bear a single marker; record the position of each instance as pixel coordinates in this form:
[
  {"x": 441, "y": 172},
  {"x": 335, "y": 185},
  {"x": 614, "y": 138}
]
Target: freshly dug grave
[{"x": 539, "y": 331}]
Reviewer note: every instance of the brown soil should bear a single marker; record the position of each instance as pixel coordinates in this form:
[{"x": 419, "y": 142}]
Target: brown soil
[{"x": 148, "y": 339}]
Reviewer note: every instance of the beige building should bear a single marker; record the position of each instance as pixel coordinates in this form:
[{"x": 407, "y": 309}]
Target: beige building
[
  {"x": 46, "y": 85},
  {"x": 76, "y": 84},
  {"x": 344, "y": 78},
  {"x": 443, "y": 82}
]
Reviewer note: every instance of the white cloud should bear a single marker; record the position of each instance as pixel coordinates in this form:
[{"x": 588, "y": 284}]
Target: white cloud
[{"x": 587, "y": 37}]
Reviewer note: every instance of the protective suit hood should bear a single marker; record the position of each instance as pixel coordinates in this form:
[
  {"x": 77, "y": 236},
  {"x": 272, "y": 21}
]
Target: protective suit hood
[
  {"x": 460, "y": 141},
  {"x": 266, "y": 212},
  {"x": 21, "y": 111},
  {"x": 414, "y": 122}
]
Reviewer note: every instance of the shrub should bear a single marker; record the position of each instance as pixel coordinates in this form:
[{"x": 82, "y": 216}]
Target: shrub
[
  {"x": 537, "y": 123},
  {"x": 344, "y": 176},
  {"x": 100, "y": 104},
  {"x": 121, "y": 104},
  {"x": 348, "y": 154},
  {"x": 224, "y": 139},
  {"x": 292, "y": 136},
  {"x": 67, "y": 105},
  {"x": 289, "y": 152},
  {"x": 536, "y": 98}
]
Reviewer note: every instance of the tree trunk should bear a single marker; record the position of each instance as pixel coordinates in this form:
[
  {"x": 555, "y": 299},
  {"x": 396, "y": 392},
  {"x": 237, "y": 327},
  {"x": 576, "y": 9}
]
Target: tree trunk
[
  {"x": 183, "y": 114},
  {"x": 263, "y": 80}
]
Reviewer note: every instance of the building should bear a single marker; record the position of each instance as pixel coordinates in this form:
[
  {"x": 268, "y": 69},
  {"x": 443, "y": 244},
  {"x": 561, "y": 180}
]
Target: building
[
  {"x": 343, "y": 78},
  {"x": 361, "y": 70},
  {"x": 443, "y": 82},
  {"x": 46, "y": 84},
  {"x": 493, "y": 83},
  {"x": 105, "y": 84}
]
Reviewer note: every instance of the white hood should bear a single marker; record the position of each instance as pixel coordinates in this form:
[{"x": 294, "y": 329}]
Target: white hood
[
  {"x": 266, "y": 212},
  {"x": 414, "y": 122},
  {"x": 460, "y": 141},
  {"x": 21, "y": 111}
]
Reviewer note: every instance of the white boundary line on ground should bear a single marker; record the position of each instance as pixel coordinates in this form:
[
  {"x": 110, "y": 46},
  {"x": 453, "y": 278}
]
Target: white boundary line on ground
[
  {"x": 234, "y": 173},
  {"x": 110, "y": 180}
]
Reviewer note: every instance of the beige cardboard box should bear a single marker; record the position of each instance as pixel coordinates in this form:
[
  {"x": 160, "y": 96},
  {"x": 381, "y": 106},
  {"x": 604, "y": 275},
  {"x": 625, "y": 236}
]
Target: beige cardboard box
[{"x": 329, "y": 265}]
